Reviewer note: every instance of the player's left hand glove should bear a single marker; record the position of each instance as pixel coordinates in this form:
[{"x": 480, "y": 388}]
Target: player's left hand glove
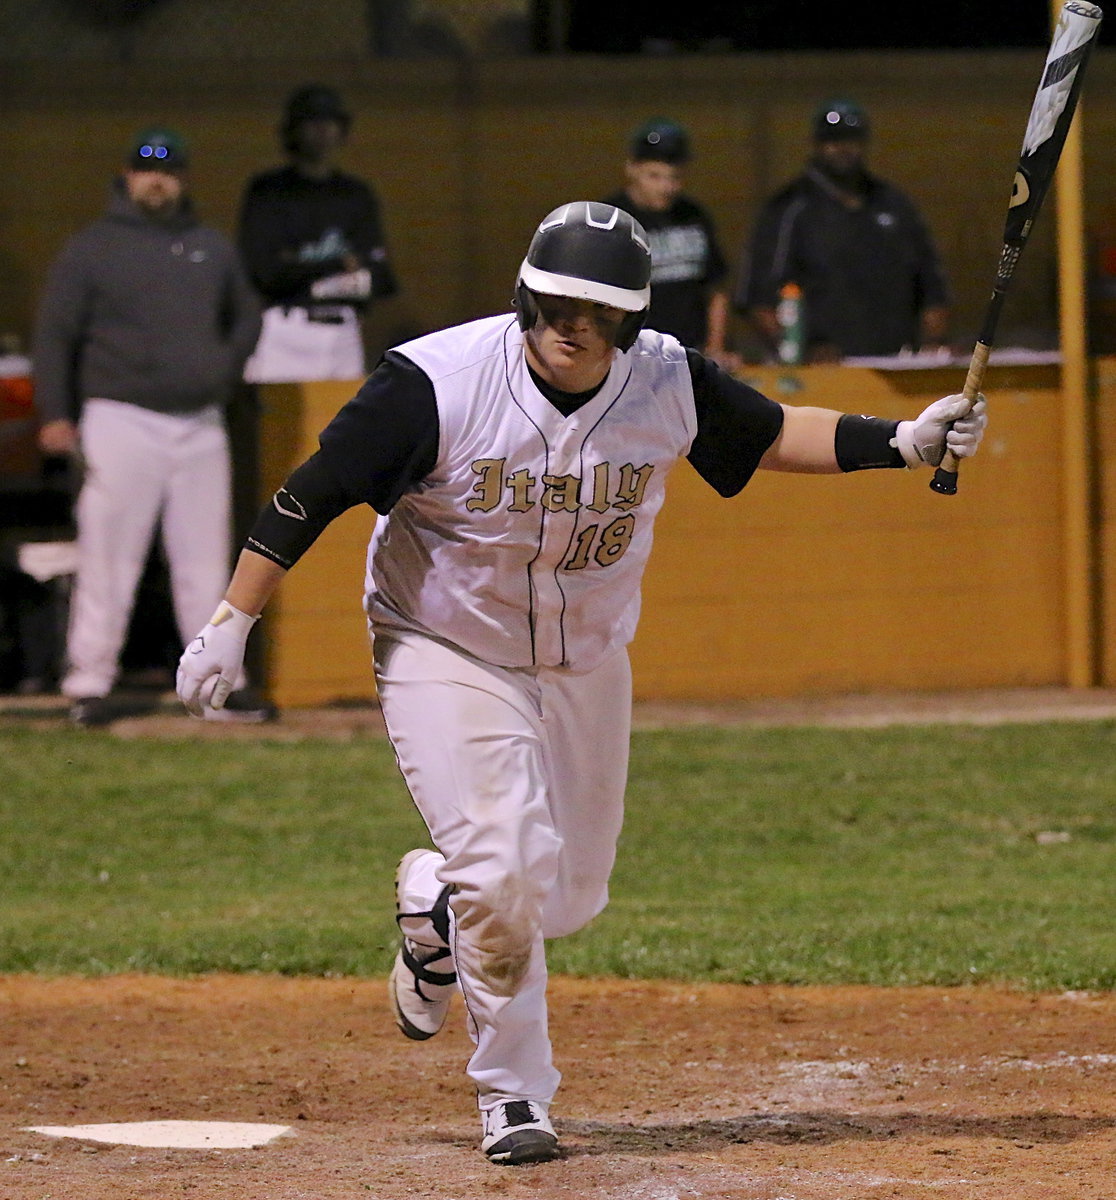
[
  {"x": 212, "y": 665},
  {"x": 946, "y": 424}
]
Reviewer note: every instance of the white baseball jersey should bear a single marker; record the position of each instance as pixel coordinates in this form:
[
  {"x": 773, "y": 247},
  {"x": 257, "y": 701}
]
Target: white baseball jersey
[
  {"x": 526, "y": 544},
  {"x": 503, "y": 585}
]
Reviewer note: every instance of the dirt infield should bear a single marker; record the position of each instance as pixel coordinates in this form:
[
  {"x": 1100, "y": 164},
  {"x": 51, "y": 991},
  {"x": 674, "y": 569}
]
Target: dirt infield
[{"x": 671, "y": 1091}]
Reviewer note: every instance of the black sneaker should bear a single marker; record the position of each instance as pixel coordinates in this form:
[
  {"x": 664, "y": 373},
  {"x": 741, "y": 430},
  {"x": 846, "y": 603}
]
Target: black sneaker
[
  {"x": 91, "y": 711},
  {"x": 245, "y": 707},
  {"x": 518, "y": 1131}
]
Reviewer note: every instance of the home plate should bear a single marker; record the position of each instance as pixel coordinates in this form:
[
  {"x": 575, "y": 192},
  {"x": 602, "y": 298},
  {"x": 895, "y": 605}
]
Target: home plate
[{"x": 184, "y": 1135}]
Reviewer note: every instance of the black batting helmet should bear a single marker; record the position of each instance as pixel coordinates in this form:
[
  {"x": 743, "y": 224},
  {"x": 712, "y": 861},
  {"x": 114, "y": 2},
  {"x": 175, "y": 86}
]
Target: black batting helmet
[{"x": 589, "y": 251}]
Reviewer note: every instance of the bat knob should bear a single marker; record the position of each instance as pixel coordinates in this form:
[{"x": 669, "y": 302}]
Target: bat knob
[{"x": 944, "y": 482}]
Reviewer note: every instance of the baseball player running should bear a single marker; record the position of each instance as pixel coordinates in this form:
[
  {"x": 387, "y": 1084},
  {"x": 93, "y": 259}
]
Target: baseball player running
[{"x": 517, "y": 464}]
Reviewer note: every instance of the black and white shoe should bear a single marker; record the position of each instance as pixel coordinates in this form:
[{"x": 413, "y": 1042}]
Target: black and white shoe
[
  {"x": 422, "y": 980},
  {"x": 518, "y": 1131},
  {"x": 92, "y": 712}
]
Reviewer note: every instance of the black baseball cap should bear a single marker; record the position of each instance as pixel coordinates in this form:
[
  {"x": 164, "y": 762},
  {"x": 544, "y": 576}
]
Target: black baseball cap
[
  {"x": 158, "y": 149},
  {"x": 840, "y": 120},
  {"x": 313, "y": 102},
  {"x": 660, "y": 140}
]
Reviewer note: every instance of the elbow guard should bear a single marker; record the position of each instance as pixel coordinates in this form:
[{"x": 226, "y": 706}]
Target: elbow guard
[{"x": 298, "y": 512}]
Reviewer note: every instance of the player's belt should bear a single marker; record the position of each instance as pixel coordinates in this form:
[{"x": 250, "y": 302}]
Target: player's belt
[{"x": 321, "y": 314}]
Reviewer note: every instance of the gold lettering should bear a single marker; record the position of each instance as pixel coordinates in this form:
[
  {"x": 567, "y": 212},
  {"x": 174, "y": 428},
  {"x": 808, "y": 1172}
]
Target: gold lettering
[
  {"x": 561, "y": 493},
  {"x": 580, "y": 557},
  {"x": 600, "y": 489},
  {"x": 633, "y": 483},
  {"x": 487, "y": 487},
  {"x": 520, "y": 485},
  {"x": 613, "y": 544},
  {"x": 615, "y": 540}
]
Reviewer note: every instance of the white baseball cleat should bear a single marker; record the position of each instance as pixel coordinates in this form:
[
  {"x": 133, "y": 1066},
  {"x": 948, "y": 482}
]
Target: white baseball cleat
[
  {"x": 518, "y": 1131},
  {"x": 422, "y": 980}
]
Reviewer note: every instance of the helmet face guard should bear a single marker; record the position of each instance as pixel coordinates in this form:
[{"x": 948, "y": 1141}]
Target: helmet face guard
[
  {"x": 527, "y": 311},
  {"x": 588, "y": 251}
]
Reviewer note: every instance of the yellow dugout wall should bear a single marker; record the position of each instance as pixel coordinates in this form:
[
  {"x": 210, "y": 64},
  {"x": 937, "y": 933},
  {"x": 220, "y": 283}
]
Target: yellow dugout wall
[
  {"x": 800, "y": 585},
  {"x": 468, "y": 155}
]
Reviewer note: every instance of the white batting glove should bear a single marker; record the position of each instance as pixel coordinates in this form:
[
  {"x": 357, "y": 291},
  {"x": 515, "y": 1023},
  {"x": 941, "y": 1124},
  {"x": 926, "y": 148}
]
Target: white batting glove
[
  {"x": 213, "y": 663},
  {"x": 947, "y": 424}
]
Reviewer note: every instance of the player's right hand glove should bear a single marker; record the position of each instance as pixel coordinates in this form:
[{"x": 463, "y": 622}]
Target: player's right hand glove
[
  {"x": 947, "y": 424},
  {"x": 213, "y": 663}
]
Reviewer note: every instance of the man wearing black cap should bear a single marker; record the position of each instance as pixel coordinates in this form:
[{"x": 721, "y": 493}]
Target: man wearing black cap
[
  {"x": 314, "y": 245},
  {"x": 144, "y": 326},
  {"x": 856, "y": 247},
  {"x": 688, "y": 268}
]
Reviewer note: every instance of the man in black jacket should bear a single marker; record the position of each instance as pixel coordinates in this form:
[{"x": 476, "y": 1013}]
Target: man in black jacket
[
  {"x": 855, "y": 246},
  {"x": 313, "y": 242},
  {"x": 144, "y": 326}
]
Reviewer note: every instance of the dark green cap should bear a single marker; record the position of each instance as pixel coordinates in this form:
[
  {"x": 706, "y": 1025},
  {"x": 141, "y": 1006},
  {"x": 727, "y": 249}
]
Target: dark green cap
[
  {"x": 840, "y": 120},
  {"x": 159, "y": 149},
  {"x": 660, "y": 140}
]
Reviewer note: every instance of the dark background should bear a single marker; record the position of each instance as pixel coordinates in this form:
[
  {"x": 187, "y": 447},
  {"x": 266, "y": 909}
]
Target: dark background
[{"x": 811, "y": 25}]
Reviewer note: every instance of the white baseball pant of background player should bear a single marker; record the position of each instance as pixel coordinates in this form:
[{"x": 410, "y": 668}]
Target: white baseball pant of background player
[
  {"x": 525, "y": 806},
  {"x": 141, "y": 464},
  {"x": 294, "y": 349}
]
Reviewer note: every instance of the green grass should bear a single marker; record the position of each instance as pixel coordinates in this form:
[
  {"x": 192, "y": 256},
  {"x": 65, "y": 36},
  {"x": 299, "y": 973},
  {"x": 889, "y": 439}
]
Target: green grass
[{"x": 894, "y": 856}]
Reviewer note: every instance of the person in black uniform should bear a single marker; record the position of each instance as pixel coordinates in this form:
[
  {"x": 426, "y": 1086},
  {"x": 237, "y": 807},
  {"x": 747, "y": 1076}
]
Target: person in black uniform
[
  {"x": 688, "y": 269},
  {"x": 313, "y": 242},
  {"x": 870, "y": 279}
]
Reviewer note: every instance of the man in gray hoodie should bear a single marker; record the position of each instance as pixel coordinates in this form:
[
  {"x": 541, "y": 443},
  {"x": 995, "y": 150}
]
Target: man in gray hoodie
[{"x": 144, "y": 326}]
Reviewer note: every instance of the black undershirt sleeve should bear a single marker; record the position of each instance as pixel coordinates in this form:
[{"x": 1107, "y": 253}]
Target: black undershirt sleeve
[
  {"x": 298, "y": 512},
  {"x": 736, "y": 426},
  {"x": 386, "y": 438},
  {"x": 384, "y": 441}
]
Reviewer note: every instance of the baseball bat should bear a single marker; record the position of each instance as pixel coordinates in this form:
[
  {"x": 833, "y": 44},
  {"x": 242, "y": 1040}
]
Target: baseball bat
[{"x": 1075, "y": 34}]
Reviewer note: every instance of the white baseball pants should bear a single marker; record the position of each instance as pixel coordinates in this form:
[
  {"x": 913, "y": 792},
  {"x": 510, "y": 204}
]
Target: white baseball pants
[
  {"x": 292, "y": 348},
  {"x": 141, "y": 466},
  {"x": 519, "y": 776}
]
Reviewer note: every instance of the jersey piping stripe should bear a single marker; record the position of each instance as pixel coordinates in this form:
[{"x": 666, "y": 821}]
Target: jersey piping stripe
[
  {"x": 531, "y": 614},
  {"x": 581, "y": 466},
  {"x": 542, "y": 515}
]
